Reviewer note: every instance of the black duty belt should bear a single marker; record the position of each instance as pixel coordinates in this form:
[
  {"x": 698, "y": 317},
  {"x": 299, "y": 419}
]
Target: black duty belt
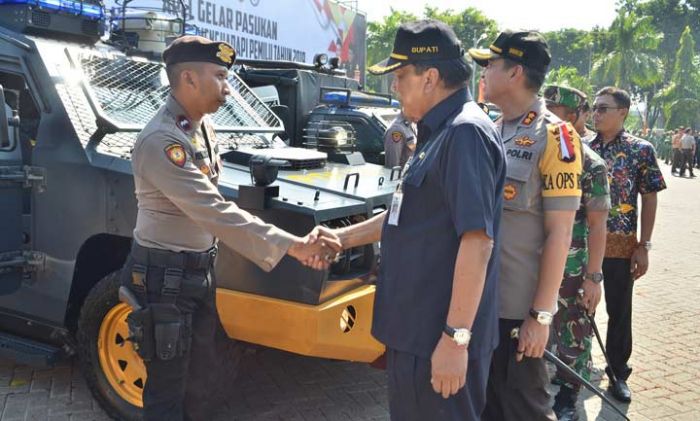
[{"x": 185, "y": 260}]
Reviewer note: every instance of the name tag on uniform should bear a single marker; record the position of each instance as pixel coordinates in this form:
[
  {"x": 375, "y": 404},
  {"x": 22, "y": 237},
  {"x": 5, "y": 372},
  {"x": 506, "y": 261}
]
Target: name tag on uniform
[{"x": 395, "y": 210}]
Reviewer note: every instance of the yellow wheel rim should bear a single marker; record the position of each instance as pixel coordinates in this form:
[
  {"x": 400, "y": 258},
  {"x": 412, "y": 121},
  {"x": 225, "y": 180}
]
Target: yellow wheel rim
[{"x": 121, "y": 365}]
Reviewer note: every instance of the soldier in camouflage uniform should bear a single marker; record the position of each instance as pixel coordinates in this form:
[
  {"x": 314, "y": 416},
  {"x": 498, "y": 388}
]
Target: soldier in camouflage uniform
[{"x": 580, "y": 290}]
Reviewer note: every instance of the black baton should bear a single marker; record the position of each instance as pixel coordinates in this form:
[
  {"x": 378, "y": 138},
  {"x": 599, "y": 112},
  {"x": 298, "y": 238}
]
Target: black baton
[
  {"x": 514, "y": 334},
  {"x": 610, "y": 371}
]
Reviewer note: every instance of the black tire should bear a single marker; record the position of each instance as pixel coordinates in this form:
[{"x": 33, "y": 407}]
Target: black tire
[{"x": 102, "y": 298}]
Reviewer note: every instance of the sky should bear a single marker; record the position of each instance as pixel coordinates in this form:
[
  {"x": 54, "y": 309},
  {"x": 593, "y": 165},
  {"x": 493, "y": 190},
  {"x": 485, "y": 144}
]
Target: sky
[{"x": 544, "y": 15}]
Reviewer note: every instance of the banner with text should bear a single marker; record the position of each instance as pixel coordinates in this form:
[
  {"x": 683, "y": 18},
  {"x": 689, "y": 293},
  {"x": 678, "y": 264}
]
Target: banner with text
[{"x": 292, "y": 30}]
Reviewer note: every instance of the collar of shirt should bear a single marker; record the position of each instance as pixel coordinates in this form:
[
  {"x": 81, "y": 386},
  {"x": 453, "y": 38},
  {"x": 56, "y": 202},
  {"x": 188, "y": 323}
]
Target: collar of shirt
[
  {"x": 599, "y": 139},
  {"x": 512, "y": 127},
  {"x": 178, "y": 113},
  {"x": 434, "y": 118}
]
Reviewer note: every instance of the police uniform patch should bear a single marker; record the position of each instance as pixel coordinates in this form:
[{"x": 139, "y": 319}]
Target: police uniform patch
[
  {"x": 509, "y": 192},
  {"x": 204, "y": 169},
  {"x": 529, "y": 118},
  {"x": 176, "y": 154},
  {"x": 567, "y": 152},
  {"x": 225, "y": 53},
  {"x": 396, "y": 137},
  {"x": 183, "y": 123},
  {"x": 524, "y": 141}
]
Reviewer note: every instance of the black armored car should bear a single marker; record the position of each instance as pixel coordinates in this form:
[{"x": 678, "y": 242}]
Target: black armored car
[{"x": 71, "y": 107}]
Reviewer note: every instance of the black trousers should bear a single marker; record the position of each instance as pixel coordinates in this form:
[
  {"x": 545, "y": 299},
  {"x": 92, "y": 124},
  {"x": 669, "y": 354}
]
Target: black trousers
[
  {"x": 687, "y": 161},
  {"x": 516, "y": 390},
  {"x": 412, "y": 398},
  {"x": 181, "y": 388},
  {"x": 618, "y": 302},
  {"x": 676, "y": 157}
]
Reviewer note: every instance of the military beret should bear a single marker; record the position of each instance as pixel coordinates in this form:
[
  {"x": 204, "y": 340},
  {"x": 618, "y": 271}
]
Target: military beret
[
  {"x": 566, "y": 96},
  {"x": 195, "y": 48}
]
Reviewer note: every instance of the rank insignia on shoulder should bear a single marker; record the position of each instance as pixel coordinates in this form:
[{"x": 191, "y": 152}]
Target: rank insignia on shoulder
[
  {"x": 509, "y": 192},
  {"x": 567, "y": 153},
  {"x": 183, "y": 123},
  {"x": 396, "y": 137},
  {"x": 176, "y": 154},
  {"x": 524, "y": 141},
  {"x": 529, "y": 118}
]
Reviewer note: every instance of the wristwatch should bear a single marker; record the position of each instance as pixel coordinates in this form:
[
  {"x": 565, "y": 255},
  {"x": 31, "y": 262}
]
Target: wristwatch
[
  {"x": 542, "y": 317},
  {"x": 460, "y": 336},
  {"x": 646, "y": 245},
  {"x": 595, "y": 277}
]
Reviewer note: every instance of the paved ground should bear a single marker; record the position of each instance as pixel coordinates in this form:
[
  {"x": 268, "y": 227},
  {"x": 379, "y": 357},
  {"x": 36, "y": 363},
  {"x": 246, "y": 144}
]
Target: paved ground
[{"x": 280, "y": 386}]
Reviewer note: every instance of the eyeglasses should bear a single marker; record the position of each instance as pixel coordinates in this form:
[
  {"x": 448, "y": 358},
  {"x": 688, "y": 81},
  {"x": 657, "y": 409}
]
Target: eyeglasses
[{"x": 603, "y": 108}]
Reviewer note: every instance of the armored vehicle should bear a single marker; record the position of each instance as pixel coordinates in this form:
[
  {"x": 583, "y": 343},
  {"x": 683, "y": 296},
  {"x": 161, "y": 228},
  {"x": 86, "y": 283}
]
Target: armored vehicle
[
  {"x": 310, "y": 96},
  {"x": 71, "y": 107}
]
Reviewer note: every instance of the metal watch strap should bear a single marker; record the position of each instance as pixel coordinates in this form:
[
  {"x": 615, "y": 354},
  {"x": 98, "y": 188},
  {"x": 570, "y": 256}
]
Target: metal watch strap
[{"x": 595, "y": 277}]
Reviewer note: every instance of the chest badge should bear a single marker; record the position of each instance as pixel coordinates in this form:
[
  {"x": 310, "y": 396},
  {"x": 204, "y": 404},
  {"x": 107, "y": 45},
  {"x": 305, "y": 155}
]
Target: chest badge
[
  {"x": 524, "y": 141},
  {"x": 176, "y": 154},
  {"x": 183, "y": 123},
  {"x": 529, "y": 118},
  {"x": 421, "y": 155}
]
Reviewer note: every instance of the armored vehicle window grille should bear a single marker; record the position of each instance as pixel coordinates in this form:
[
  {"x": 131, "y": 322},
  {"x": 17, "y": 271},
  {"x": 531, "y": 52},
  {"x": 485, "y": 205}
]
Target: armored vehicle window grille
[
  {"x": 40, "y": 18},
  {"x": 130, "y": 92}
]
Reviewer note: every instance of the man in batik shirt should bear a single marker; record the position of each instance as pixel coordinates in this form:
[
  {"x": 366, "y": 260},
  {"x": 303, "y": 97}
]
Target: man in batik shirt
[{"x": 632, "y": 171}]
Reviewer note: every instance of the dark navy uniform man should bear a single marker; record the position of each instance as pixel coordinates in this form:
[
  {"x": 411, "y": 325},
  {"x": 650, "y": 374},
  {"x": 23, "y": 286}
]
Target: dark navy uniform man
[
  {"x": 180, "y": 215},
  {"x": 435, "y": 306}
]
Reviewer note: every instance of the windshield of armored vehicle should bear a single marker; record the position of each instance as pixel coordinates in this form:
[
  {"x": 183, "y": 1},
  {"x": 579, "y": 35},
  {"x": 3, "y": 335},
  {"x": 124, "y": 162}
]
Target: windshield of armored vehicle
[{"x": 129, "y": 92}]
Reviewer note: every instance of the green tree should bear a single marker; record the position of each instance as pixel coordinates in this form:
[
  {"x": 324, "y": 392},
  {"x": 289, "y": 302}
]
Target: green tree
[
  {"x": 569, "y": 76},
  {"x": 681, "y": 98},
  {"x": 632, "y": 64},
  {"x": 469, "y": 25},
  {"x": 668, "y": 17},
  {"x": 571, "y": 48}
]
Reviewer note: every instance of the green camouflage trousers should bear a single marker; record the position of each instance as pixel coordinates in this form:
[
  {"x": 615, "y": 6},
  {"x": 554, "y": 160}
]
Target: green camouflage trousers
[{"x": 571, "y": 329}]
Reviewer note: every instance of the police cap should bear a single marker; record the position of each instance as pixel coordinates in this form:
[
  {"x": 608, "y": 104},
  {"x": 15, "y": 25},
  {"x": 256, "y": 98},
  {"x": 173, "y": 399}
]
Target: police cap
[
  {"x": 528, "y": 48},
  {"x": 420, "y": 41},
  {"x": 195, "y": 48}
]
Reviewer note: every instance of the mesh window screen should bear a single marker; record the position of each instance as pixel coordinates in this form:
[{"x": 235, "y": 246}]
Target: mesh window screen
[{"x": 130, "y": 92}]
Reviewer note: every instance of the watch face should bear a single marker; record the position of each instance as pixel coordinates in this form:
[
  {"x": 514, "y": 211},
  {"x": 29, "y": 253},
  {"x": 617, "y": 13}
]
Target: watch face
[
  {"x": 544, "y": 318},
  {"x": 461, "y": 337}
]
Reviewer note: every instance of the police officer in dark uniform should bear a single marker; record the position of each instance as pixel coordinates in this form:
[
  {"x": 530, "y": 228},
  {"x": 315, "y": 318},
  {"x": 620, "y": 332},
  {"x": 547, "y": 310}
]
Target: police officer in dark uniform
[
  {"x": 435, "y": 305},
  {"x": 180, "y": 215}
]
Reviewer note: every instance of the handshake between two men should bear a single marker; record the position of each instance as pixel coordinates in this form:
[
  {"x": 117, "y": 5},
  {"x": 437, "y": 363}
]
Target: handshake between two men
[{"x": 320, "y": 248}]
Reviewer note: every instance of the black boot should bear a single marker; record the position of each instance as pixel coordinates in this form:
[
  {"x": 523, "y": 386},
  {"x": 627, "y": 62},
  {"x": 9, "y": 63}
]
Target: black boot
[{"x": 565, "y": 404}]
